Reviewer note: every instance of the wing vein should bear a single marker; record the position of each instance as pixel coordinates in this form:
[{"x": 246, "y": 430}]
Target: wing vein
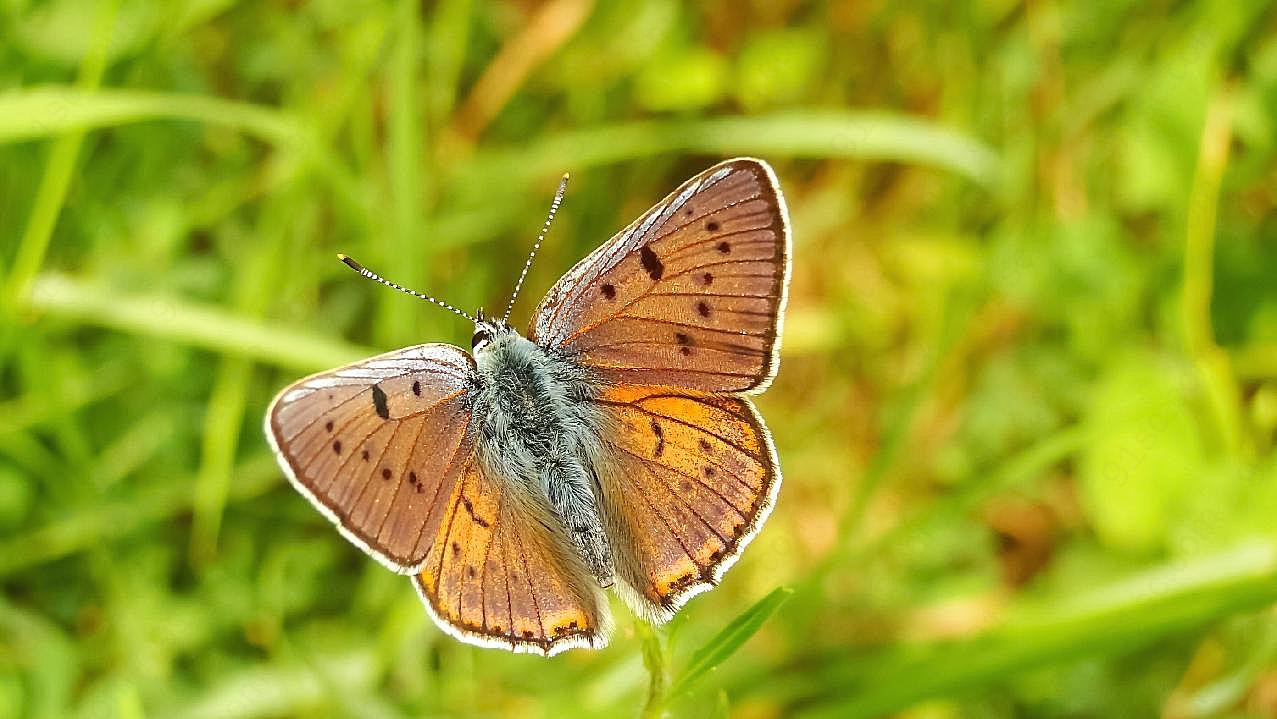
[
  {"x": 710, "y": 294},
  {"x": 685, "y": 250},
  {"x": 664, "y": 521},
  {"x": 690, "y": 325},
  {"x": 434, "y": 498},
  {"x": 532, "y": 594},
  {"x": 487, "y": 552},
  {"x": 399, "y": 485},
  {"x": 319, "y": 450},
  {"x": 702, "y": 216},
  {"x": 321, "y": 415},
  {"x": 683, "y": 501},
  {"x": 719, "y": 373},
  {"x": 394, "y": 432},
  {"x": 707, "y": 265},
  {"x": 744, "y": 485}
]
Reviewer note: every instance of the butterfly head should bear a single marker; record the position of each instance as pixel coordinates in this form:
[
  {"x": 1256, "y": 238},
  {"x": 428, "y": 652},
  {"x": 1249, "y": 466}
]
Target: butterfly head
[{"x": 486, "y": 332}]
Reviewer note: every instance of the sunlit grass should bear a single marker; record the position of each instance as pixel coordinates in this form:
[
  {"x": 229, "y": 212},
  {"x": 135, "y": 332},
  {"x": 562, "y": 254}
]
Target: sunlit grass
[{"x": 1026, "y": 416}]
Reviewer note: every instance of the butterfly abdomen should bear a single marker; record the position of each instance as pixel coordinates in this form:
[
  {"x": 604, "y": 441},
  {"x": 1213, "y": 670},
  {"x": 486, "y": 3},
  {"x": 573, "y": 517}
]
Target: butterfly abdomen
[{"x": 538, "y": 432}]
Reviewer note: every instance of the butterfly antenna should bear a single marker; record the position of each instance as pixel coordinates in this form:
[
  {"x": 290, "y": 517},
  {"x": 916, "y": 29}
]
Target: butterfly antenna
[
  {"x": 554, "y": 207},
  {"x": 350, "y": 262}
]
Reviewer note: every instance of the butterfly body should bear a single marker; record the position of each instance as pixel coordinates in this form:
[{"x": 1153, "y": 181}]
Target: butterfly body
[
  {"x": 538, "y": 430},
  {"x": 615, "y": 445}
]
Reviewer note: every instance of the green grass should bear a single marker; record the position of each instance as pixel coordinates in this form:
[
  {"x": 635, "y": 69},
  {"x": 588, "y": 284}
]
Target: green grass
[{"x": 1027, "y": 405}]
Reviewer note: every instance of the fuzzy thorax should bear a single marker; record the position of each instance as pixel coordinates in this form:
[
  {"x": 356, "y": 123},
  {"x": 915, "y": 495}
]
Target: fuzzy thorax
[{"x": 538, "y": 431}]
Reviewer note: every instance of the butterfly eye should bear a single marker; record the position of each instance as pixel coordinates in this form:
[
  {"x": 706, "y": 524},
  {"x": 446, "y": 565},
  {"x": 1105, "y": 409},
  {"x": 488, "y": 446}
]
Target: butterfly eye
[{"x": 479, "y": 338}]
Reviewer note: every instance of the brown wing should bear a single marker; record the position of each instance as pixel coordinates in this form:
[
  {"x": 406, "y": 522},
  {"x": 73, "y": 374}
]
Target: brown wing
[
  {"x": 692, "y": 479},
  {"x": 500, "y": 575},
  {"x": 691, "y": 295},
  {"x": 377, "y": 446}
]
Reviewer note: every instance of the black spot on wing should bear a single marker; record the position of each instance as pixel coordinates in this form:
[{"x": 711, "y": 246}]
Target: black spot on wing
[
  {"x": 655, "y": 268},
  {"x": 379, "y": 402}
]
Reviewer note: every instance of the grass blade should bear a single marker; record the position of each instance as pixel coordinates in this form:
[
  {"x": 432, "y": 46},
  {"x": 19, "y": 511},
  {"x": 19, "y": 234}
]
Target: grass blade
[
  {"x": 49, "y": 111},
  {"x": 1120, "y": 617},
  {"x": 97, "y": 525},
  {"x": 407, "y": 183},
  {"x": 56, "y": 179},
  {"x": 726, "y": 642},
  {"x": 816, "y": 134},
  {"x": 185, "y": 322},
  {"x": 41, "y": 112}
]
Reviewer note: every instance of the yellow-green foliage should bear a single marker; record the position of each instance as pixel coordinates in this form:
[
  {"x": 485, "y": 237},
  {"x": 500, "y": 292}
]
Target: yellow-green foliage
[{"x": 1026, "y": 409}]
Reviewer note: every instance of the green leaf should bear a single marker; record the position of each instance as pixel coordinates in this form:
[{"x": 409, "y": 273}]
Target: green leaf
[{"x": 726, "y": 642}]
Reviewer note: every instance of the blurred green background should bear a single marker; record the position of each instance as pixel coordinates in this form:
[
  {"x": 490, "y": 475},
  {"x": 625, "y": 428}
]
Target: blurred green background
[{"x": 1026, "y": 411}]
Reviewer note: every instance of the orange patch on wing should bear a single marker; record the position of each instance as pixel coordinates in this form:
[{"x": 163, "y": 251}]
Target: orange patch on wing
[
  {"x": 567, "y": 621},
  {"x": 673, "y": 578},
  {"x": 625, "y": 393},
  {"x": 707, "y": 413}
]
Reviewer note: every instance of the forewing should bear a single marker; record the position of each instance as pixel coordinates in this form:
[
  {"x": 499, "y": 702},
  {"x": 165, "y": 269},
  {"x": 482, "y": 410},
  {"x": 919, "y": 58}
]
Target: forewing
[
  {"x": 690, "y": 480},
  {"x": 691, "y": 295},
  {"x": 501, "y": 574},
  {"x": 378, "y": 445}
]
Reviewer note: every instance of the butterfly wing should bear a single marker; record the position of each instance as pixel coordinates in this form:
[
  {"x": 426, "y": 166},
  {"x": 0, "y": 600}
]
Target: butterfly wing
[
  {"x": 378, "y": 446},
  {"x": 384, "y": 449},
  {"x": 503, "y": 574},
  {"x": 690, "y": 480},
  {"x": 690, "y": 295}
]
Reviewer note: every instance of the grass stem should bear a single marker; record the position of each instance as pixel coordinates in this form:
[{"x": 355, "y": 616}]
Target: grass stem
[
  {"x": 656, "y": 660},
  {"x": 1212, "y": 363}
]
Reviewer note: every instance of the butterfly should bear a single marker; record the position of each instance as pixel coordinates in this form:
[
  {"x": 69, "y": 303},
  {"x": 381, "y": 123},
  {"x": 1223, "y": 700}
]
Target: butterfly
[{"x": 613, "y": 446}]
